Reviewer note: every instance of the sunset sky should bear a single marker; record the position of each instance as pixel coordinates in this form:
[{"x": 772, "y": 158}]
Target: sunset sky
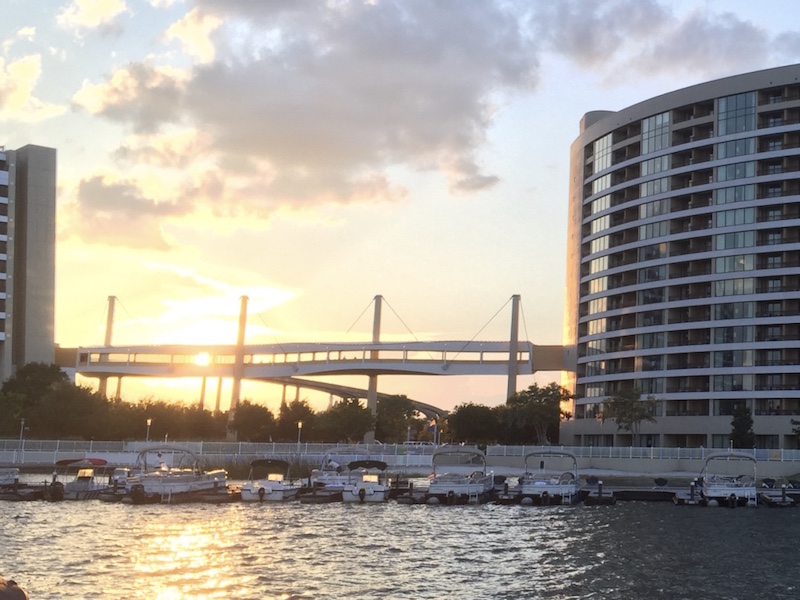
[{"x": 312, "y": 154}]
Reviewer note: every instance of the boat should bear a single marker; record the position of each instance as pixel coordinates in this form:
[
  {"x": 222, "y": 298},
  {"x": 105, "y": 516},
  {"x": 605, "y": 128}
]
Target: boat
[
  {"x": 450, "y": 484},
  {"x": 546, "y": 487},
  {"x": 171, "y": 475},
  {"x": 9, "y": 477},
  {"x": 12, "y": 490},
  {"x": 326, "y": 484},
  {"x": 274, "y": 487},
  {"x": 86, "y": 483},
  {"x": 117, "y": 485},
  {"x": 728, "y": 490},
  {"x": 368, "y": 482}
]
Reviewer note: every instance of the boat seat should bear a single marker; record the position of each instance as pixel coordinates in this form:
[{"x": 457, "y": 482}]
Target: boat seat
[
  {"x": 660, "y": 482},
  {"x": 592, "y": 480}
]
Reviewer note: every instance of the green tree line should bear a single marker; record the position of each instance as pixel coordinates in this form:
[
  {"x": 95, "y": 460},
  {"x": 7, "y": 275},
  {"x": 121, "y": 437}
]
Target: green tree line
[{"x": 54, "y": 408}]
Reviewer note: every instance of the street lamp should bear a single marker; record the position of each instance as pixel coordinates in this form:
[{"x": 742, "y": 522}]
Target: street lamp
[
  {"x": 21, "y": 432},
  {"x": 147, "y": 435},
  {"x": 299, "y": 430}
]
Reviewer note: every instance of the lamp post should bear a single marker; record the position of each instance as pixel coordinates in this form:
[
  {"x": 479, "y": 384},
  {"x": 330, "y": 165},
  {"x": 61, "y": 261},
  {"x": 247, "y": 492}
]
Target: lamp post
[
  {"x": 21, "y": 432},
  {"x": 299, "y": 430},
  {"x": 147, "y": 435}
]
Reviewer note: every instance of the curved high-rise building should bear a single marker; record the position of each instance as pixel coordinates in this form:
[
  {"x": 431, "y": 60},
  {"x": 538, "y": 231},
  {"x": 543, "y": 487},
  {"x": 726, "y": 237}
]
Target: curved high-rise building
[{"x": 684, "y": 262}]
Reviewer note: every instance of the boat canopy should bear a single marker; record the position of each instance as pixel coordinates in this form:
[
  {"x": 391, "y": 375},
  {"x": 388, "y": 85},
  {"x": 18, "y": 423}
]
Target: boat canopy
[
  {"x": 270, "y": 465},
  {"x": 556, "y": 453},
  {"x": 82, "y": 462},
  {"x": 367, "y": 464}
]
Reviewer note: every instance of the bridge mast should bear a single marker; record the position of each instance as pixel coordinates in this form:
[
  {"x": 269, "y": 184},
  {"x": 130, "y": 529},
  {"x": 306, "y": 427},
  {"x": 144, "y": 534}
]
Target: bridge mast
[
  {"x": 372, "y": 388},
  {"x": 513, "y": 348},
  {"x": 238, "y": 367},
  {"x": 103, "y": 383}
]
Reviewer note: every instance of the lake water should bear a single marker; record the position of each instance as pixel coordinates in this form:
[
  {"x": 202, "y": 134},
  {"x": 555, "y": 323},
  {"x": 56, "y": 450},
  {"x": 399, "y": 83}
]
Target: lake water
[{"x": 263, "y": 551}]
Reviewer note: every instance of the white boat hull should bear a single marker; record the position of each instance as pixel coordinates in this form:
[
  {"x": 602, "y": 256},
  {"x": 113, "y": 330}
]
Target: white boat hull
[
  {"x": 365, "y": 493},
  {"x": 263, "y": 492}
]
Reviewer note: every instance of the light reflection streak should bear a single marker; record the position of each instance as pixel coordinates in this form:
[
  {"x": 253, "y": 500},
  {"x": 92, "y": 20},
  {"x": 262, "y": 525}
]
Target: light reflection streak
[{"x": 188, "y": 558}]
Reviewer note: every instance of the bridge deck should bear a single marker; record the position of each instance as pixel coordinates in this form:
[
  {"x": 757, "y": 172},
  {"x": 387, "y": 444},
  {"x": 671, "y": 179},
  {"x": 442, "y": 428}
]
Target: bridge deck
[{"x": 286, "y": 360}]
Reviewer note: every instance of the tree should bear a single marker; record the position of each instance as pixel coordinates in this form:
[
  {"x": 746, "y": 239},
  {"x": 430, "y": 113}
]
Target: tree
[
  {"x": 796, "y": 428},
  {"x": 297, "y": 411},
  {"x": 253, "y": 422},
  {"x": 534, "y": 414},
  {"x": 742, "y": 434},
  {"x": 345, "y": 420},
  {"x": 473, "y": 423},
  {"x": 33, "y": 381},
  {"x": 395, "y": 414},
  {"x": 629, "y": 411}
]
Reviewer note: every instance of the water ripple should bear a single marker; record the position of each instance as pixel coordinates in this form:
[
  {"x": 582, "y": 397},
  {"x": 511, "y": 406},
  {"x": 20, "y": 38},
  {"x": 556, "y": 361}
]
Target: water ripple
[{"x": 303, "y": 552}]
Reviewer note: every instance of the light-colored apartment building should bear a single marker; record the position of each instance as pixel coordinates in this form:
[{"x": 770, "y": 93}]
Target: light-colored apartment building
[
  {"x": 27, "y": 257},
  {"x": 684, "y": 262}
]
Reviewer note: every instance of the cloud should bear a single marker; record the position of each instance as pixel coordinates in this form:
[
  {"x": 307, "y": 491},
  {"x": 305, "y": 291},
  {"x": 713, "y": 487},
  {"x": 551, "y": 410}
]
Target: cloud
[
  {"x": 117, "y": 213},
  {"x": 193, "y": 32},
  {"x": 624, "y": 39},
  {"x": 17, "y": 81},
  {"x": 88, "y": 14},
  {"x": 686, "y": 46},
  {"x": 140, "y": 94},
  {"x": 330, "y": 96}
]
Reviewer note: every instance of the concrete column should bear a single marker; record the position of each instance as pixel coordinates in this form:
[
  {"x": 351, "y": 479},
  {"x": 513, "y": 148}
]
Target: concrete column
[
  {"x": 372, "y": 388},
  {"x": 513, "y": 368},
  {"x": 103, "y": 384},
  {"x": 238, "y": 367}
]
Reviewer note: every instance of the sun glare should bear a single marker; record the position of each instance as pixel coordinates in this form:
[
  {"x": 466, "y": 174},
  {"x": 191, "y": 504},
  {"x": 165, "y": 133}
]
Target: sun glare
[{"x": 202, "y": 359}]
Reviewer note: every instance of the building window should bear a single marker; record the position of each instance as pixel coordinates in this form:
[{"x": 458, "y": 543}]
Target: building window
[
  {"x": 654, "y": 186},
  {"x": 597, "y": 305},
  {"x": 654, "y": 165},
  {"x": 733, "y": 383},
  {"x": 738, "y": 193},
  {"x": 736, "y": 113},
  {"x": 655, "y": 133},
  {"x": 598, "y": 285},
  {"x": 650, "y": 340},
  {"x": 650, "y": 318},
  {"x": 733, "y": 310},
  {"x": 601, "y": 183},
  {"x": 601, "y": 224},
  {"x": 596, "y": 347},
  {"x": 652, "y": 252},
  {"x": 732, "y": 264},
  {"x": 737, "y": 216},
  {"x": 649, "y": 274},
  {"x": 734, "y": 287},
  {"x": 741, "y": 170},
  {"x": 599, "y": 244},
  {"x": 601, "y": 203},
  {"x": 651, "y": 296},
  {"x": 736, "y": 148},
  {"x": 733, "y": 335},
  {"x": 740, "y": 239},
  {"x": 733, "y": 358},
  {"x": 653, "y": 230},
  {"x": 602, "y": 153}
]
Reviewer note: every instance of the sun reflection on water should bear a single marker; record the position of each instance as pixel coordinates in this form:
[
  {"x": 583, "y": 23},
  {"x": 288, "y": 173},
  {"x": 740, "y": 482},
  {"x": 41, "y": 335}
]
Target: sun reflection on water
[{"x": 192, "y": 555}]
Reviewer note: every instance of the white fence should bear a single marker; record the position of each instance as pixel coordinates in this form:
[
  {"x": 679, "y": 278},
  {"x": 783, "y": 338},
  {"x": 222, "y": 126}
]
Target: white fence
[{"x": 48, "y": 452}]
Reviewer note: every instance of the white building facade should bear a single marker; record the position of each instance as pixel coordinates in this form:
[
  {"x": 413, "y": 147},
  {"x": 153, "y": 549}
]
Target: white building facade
[
  {"x": 683, "y": 275},
  {"x": 27, "y": 257}
]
